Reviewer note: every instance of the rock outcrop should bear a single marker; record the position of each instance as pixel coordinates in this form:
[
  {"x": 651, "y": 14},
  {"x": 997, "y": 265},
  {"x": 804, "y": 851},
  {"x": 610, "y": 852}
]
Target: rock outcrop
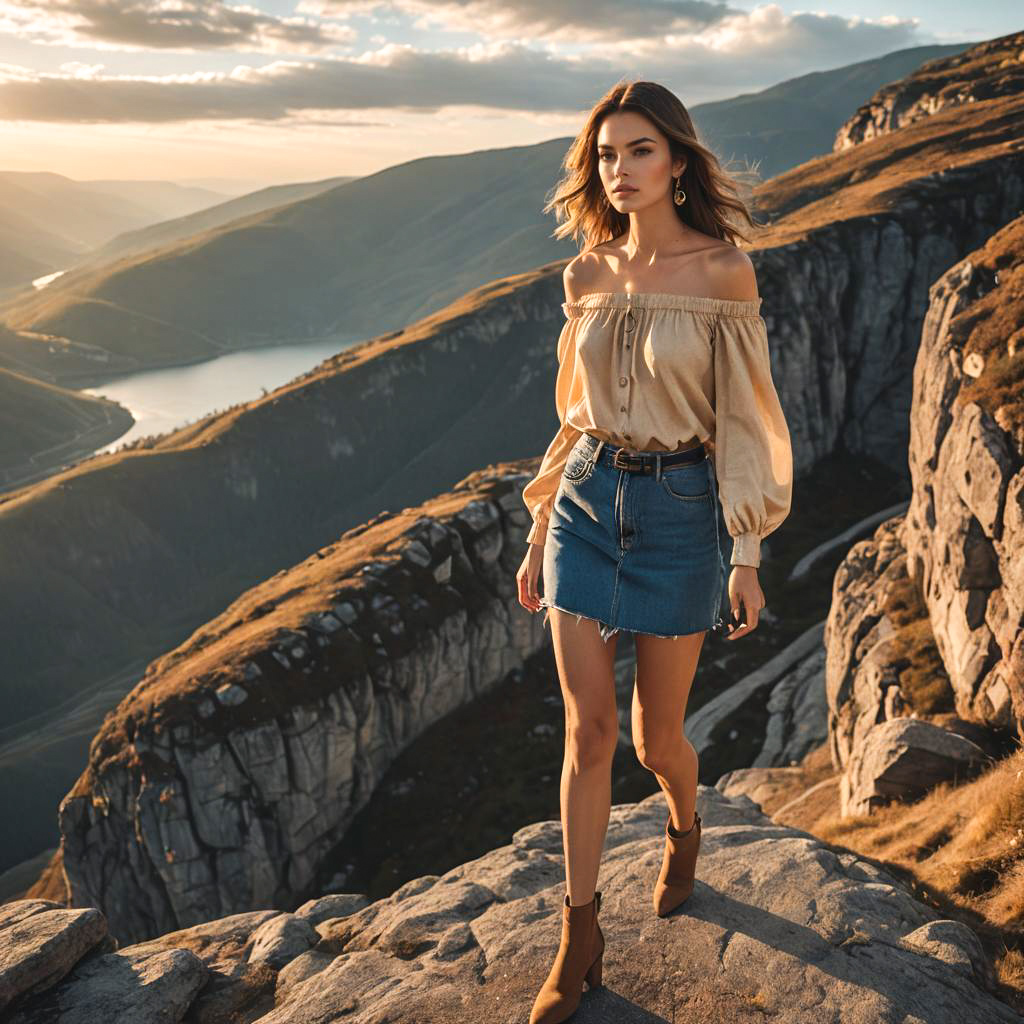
[
  {"x": 992, "y": 68},
  {"x": 905, "y": 757},
  {"x": 222, "y": 781},
  {"x": 965, "y": 524},
  {"x": 779, "y": 925},
  {"x": 862, "y": 683},
  {"x": 928, "y": 616}
]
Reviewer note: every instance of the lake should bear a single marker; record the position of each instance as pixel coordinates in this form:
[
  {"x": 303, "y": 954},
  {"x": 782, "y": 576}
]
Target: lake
[{"x": 163, "y": 400}]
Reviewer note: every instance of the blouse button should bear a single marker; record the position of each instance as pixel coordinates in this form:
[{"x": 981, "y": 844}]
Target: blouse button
[
  {"x": 622, "y": 381},
  {"x": 622, "y": 408}
]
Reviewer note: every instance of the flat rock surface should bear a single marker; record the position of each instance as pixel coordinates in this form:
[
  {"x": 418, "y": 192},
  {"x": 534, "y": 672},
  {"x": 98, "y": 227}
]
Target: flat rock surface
[{"x": 779, "y": 927}]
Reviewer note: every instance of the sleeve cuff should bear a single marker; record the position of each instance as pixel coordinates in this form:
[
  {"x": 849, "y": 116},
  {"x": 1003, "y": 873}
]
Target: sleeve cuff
[
  {"x": 538, "y": 532},
  {"x": 746, "y": 550}
]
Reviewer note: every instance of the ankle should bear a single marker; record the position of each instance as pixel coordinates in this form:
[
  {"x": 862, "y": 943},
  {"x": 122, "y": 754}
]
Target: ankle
[{"x": 679, "y": 833}]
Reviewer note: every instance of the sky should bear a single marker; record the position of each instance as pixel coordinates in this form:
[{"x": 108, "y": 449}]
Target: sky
[{"x": 272, "y": 91}]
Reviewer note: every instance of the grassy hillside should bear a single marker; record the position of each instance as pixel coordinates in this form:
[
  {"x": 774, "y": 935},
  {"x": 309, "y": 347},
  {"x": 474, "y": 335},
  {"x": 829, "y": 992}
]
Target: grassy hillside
[
  {"x": 42, "y": 425},
  {"x": 796, "y": 120},
  {"x": 367, "y": 256},
  {"x": 48, "y": 221},
  {"x": 162, "y": 234}
]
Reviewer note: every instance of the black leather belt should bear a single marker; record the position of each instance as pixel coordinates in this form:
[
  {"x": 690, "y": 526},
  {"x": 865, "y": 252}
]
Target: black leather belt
[{"x": 645, "y": 462}]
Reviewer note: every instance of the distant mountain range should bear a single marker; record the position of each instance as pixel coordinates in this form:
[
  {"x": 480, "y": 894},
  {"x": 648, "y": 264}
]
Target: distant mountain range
[
  {"x": 49, "y": 222},
  {"x": 345, "y": 259}
]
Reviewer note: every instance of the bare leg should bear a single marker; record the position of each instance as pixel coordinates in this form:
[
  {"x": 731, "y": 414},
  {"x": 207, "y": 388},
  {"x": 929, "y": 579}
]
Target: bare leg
[
  {"x": 664, "y": 675},
  {"x": 587, "y": 677}
]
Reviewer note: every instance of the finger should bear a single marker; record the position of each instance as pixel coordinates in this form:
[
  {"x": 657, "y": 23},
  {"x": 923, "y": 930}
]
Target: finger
[{"x": 739, "y": 622}]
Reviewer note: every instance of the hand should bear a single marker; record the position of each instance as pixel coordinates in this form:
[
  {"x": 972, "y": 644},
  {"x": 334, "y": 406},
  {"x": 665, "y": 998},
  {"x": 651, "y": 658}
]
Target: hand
[
  {"x": 527, "y": 577},
  {"x": 744, "y": 590}
]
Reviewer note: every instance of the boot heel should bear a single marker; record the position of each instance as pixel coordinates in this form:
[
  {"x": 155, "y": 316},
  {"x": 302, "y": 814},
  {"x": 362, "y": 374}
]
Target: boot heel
[{"x": 593, "y": 975}]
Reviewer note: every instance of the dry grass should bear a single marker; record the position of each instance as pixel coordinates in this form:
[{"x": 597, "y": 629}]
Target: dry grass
[
  {"x": 960, "y": 849},
  {"x": 923, "y": 679}
]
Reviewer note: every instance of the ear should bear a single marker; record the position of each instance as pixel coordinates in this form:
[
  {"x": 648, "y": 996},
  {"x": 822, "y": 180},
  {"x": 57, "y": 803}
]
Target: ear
[{"x": 678, "y": 166}]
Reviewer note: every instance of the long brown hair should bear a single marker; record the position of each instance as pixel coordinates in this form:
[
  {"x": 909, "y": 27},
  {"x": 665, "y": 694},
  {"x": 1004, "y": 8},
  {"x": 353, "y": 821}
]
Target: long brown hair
[{"x": 713, "y": 204}]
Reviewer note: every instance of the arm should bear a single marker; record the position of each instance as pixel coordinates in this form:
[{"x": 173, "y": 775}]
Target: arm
[
  {"x": 539, "y": 493},
  {"x": 753, "y": 456}
]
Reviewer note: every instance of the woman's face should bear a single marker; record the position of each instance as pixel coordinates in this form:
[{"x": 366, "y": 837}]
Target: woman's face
[{"x": 632, "y": 153}]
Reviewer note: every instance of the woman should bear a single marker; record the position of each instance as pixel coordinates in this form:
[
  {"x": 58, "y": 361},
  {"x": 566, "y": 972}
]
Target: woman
[{"x": 663, "y": 358}]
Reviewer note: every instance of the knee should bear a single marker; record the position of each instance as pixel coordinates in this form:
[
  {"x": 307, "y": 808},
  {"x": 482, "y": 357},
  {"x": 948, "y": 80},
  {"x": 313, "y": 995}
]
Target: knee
[
  {"x": 660, "y": 754},
  {"x": 592, "y": 742}
]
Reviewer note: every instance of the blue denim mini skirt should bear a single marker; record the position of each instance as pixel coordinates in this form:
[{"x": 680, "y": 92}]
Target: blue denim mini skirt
[{"x": 638, "y": 552}]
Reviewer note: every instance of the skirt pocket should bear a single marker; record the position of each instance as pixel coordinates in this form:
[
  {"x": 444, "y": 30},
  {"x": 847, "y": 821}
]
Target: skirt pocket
[
  {"x": 689, "y": 482},
  {"x": 579, "y": 464}
]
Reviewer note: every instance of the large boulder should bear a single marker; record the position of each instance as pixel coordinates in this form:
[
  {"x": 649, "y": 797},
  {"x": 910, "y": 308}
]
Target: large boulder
[{"x": 904, "y": 758}]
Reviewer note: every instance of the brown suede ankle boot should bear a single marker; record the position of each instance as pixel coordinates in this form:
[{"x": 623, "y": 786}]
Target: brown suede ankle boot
[
  {"x": 675, "y": 883},
  {"x": 578, "y": 957}
]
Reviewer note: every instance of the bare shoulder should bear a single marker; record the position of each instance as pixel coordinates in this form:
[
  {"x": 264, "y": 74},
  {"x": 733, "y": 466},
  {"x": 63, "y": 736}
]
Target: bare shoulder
[
  {"x": 584, "y": 273},
  {"x": 730, "y": 273}
]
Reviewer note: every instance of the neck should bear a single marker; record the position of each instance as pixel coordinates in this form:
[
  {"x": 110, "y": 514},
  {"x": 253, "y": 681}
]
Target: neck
[{"x": 655, "y": 234}]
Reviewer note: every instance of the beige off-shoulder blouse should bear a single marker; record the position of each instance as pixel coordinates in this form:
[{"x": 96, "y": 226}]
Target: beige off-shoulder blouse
[{"x": 651, "y": 370}]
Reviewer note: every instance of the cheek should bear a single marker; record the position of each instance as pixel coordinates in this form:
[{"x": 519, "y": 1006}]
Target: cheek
[{"x": 657, "y": 170}]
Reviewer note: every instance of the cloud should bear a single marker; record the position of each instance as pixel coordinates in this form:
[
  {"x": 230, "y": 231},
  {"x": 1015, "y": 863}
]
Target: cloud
[
  {"x": 507, "y": 76},
  {"x": 621, "y": 22},
  {"x": 167, "y": 25},
  {"x": 555, "y": 20},
  {"x": 739, "y": 51}
]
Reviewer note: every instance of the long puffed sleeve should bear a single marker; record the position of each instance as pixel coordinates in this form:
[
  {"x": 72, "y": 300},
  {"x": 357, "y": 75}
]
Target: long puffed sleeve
[
  {"x": 539, "y": 493},
  {"x": 752, "y": 452}
]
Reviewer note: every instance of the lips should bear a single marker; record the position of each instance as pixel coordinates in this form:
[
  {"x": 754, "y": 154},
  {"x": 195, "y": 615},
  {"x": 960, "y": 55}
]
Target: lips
[{"x": 623, "y": 188}]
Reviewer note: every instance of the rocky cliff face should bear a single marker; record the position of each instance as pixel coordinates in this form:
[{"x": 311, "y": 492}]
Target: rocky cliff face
[
  {"x": 928, "y": 616},
  {"x": 993, "y": 68},
  {"x": 856, "y": 239},
  {"x": 779, "y": 926},
  {"x": 862, "y": 681},
  {"x": 221, "y": 782},
  {"x": 965, "y": 525}
]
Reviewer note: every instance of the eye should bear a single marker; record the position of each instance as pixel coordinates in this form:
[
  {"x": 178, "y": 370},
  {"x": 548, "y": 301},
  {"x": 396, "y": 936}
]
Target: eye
[{"x": 639, "y": 149}]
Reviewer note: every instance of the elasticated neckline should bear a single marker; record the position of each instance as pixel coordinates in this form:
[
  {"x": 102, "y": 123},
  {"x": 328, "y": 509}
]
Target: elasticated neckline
[{"x": 664, "y": 300}]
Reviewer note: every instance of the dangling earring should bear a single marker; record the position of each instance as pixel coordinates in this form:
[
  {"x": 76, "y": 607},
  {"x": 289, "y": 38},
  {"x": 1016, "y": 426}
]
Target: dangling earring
[{"x": 679, "y": 195}]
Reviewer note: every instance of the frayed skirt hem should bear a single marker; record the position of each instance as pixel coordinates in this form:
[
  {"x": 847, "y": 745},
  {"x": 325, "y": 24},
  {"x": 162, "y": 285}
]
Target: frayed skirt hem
[{"x": 606, "y": 630}]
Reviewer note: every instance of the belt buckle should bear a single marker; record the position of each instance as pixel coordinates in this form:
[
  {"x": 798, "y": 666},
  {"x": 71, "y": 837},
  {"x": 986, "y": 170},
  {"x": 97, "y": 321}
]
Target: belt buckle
[{"x": 623, "y": 460}]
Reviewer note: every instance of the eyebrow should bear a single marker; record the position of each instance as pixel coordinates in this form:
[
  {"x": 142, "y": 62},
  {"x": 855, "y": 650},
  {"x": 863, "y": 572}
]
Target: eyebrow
[{"x": 635, "y": 142}]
